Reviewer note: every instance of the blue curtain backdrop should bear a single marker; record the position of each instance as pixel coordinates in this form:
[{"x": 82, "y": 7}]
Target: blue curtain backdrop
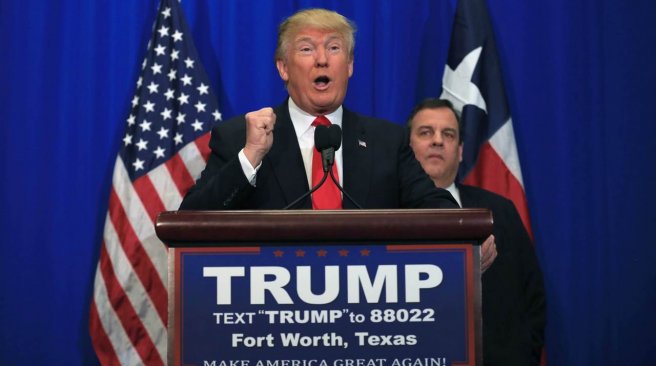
[{"x": 580, "y": 76}]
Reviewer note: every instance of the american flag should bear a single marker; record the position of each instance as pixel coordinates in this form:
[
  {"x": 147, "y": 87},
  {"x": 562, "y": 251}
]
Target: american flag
[
  {"x": 163, "y": 150},
  {"x": 474, "y": 84}
]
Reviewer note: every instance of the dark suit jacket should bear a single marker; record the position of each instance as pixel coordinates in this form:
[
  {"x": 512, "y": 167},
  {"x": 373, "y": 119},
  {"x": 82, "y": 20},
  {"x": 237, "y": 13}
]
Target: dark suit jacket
[
  {"x": 514, "y": 310},
  {"x": 380, "y": 170}
]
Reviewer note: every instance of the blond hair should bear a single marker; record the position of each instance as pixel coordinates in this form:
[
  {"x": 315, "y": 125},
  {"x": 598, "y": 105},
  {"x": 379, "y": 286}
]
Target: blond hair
[{"x": 321, "y": 19}]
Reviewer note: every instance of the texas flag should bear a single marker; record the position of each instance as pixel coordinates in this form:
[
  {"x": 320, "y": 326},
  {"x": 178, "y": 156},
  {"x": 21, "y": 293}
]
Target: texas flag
[{"x": 473, "y": 83}]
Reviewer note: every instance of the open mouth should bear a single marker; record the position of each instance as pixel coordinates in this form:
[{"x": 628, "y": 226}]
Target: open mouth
[{"x": 322, "y": 82}]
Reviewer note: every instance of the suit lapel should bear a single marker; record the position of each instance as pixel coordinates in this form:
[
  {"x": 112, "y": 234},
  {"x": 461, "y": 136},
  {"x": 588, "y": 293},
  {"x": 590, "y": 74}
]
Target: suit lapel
[
  {"x": 357, "y": 157},
  {"x": 285, "y": 159},
  {"x": 466, "y": 198}
]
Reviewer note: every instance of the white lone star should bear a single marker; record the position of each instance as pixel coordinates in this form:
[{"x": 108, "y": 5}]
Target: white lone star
[{"x": 457, "y": 85}]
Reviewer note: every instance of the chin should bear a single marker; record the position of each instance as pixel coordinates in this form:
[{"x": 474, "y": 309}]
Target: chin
[
  {"x": 329, "y": 106},
  {"x": 434, "y": 174}
]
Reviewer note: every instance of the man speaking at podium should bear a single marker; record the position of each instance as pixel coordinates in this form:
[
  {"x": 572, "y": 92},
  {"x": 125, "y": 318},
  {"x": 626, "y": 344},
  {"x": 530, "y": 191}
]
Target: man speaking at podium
[{"x": 266, "y": 159}]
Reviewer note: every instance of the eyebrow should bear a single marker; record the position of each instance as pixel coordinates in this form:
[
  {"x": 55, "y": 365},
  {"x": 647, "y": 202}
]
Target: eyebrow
[{"x": 330, "y": 38}]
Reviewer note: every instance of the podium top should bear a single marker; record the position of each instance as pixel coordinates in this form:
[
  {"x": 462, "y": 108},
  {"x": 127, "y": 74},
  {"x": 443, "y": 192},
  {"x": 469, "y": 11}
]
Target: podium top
[{"x": 209, "y": 228}]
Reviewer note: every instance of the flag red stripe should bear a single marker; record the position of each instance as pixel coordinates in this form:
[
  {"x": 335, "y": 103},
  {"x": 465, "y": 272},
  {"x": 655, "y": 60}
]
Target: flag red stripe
[
  {"x": 491, "y": 173},
  {"x": 125, "y": 312},
  {"x": 149, "y": 196},
  {"x": 203, "y": 144},
  {"x": 101, "y": 343},
  {"x": 180, "y": 174},
  {"x": 139, "y": 259}
]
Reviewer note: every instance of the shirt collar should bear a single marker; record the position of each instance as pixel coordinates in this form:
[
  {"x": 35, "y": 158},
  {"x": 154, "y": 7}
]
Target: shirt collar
[
  {"x": 303, "y": 120},
  {"x": 455, "y": 192}
]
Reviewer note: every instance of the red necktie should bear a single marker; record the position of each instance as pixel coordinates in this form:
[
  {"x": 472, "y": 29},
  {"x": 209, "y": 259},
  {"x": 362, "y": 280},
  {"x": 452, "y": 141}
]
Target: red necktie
[{"x": 328, "y": 196}]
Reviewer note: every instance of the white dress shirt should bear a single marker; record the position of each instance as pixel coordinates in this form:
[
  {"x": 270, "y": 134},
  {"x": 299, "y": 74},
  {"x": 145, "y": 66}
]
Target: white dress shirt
[{"x": 455, "y": 193}]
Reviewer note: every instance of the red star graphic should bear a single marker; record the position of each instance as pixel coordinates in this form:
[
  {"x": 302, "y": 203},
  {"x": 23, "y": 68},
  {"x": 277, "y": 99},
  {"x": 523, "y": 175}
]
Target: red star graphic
[
  {"x": 278, "y": 253},
  {"x": 300, "y": 253},
  {"x": 322, "y": 253},
  {"x": 365, "y": 252},
  {"x": 343, "y": 253}
]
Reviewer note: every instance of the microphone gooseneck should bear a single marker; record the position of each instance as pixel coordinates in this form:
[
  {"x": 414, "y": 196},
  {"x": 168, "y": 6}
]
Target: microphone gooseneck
[
  {"x": 343, "y": 191},
  {"x": 296, "y": 201},
  {"x": 327, "y": 140}
]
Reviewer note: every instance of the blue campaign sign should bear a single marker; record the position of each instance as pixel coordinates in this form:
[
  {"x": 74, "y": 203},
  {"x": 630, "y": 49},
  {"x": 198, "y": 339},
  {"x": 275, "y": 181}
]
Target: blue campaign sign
[{"x": 330, "y": 305}]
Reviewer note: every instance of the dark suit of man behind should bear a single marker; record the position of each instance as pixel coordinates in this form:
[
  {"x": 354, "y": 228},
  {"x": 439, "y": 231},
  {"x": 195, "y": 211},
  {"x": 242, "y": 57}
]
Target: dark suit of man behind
[
  {"x": 380, "y": 170},
  {"x": 514, "y": 309},
  {"x": 513, "y": 291}
]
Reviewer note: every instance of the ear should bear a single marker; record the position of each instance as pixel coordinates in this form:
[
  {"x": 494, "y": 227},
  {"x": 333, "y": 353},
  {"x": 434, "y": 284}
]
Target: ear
[
  {"x": 460, "y": 148},
  {"x": 282, "y": 70},
  {"x": 350, "y": 68}
]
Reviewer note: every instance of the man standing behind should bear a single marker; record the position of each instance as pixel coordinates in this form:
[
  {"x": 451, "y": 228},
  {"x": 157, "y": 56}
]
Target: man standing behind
[
  {"x": 513, "y": 292},
  {"x": 264, "y": 160}
]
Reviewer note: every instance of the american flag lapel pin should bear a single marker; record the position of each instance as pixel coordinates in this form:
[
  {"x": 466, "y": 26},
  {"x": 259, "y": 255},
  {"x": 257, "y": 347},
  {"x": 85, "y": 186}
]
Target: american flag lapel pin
[{"x": 362, "y": 143}]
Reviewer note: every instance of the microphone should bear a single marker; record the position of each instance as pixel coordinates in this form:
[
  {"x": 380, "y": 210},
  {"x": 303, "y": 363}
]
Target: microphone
[{"x": 327, "y": 140}]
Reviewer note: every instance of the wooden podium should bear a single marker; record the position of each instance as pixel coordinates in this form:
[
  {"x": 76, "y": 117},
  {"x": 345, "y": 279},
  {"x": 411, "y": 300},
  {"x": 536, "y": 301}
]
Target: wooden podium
[{"x": 324, "y": 288}]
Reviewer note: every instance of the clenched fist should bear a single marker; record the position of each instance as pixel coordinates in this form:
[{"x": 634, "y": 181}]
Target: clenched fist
[{"x": 259, "y": 134}]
